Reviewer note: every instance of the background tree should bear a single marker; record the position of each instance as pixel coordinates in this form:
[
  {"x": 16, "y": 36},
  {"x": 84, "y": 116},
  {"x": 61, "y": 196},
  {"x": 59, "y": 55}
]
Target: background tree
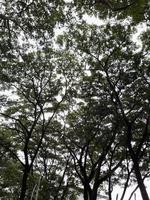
[
  {"x": 83, "y": 94},
  {"x": 39, "y": 94},
  {"x": 113, "y": 67}
]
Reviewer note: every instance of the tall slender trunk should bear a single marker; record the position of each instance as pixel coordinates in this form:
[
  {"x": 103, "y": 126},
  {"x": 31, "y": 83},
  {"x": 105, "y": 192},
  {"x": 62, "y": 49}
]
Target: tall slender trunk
[
  {"x": 94, "y": 191},
  {"x": 109, "y": 187},
  {"x": 24, "y": 185},
  {"x": 94, "y": 195},
  {"x": 141, "y": 185},
  {"x": 87, "y": 192},
  {"x": 38, "y": 188},
  {"x": 136, "y": 167},
  {"x": 86, "y": 196}
]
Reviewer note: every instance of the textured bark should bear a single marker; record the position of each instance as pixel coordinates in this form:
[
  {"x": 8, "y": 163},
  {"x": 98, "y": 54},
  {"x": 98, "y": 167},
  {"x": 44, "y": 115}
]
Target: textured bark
[{"x": 24, "y": 185}]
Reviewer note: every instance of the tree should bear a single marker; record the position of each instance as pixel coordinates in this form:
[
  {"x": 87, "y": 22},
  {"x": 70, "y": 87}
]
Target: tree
[
  {"x": 77, "y": 102},
  {"x": 116, "y": 73},
  {"x": 30, "y": 119},
  {"x": 92, "y": 143},
  {"x": 138, "y": 10}
]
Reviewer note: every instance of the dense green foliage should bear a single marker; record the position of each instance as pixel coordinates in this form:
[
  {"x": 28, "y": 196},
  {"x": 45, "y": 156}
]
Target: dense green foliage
[{"x": 74, "y": 100}]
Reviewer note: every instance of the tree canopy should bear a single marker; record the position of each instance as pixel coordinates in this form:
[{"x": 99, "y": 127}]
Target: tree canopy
[{"x": 74, "y": 100}]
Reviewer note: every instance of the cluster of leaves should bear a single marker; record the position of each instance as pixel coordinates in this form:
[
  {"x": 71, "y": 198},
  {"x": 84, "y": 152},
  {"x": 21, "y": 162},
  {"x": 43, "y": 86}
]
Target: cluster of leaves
[{"x": 75, "y": 110}]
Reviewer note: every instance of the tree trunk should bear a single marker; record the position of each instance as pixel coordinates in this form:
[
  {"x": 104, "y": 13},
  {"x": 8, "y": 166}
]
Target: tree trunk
[
  {"x": 38, "y": 188},
  {"x": 94, "y": 192},
  {"x": 138, "y": 175},
  {"x": 141, "y": 185},
  {"x": 94, "y": 195},
  {"x": 24, "y": 185},
  {"x": 136, "y": 167},
  {"x": 86, "y": 193}
]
